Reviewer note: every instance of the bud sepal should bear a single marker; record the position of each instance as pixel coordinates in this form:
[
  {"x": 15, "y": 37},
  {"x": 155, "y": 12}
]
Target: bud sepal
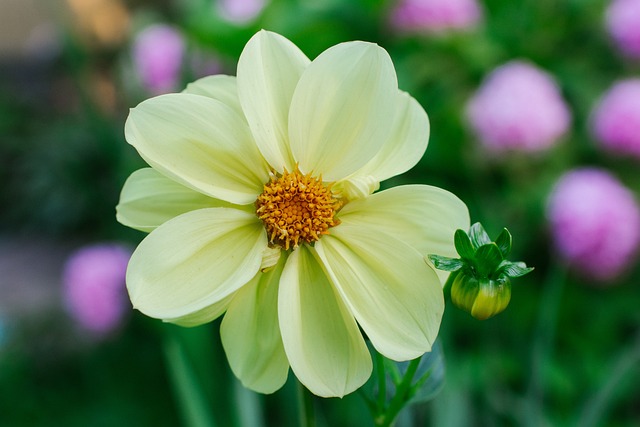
[{"x": 481, "y": 278}]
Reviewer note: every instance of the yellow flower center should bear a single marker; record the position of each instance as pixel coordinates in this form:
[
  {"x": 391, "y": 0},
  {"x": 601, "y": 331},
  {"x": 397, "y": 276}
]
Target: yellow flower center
[{"x": 296, "y": 208}]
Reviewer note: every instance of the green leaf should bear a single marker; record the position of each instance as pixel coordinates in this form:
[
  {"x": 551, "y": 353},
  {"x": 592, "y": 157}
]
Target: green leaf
[
  {"x": 504, "y": 242},
  {"x": 478, "y": 236},
  {"x": 429, "y": 378},
  {"x": 513, "y": 269},
  {"x": 463, "y": 245},
  {"x": 445, "y": 263},
  {"x": 487, "y": 260}
]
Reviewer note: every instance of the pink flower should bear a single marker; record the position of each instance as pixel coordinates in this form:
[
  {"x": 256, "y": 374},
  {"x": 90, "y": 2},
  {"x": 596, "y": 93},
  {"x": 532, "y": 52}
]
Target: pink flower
[
  {"x": 595, "y": 223},
  {"x": 518, "y": 107},
  {"x": 623, "y": 23},
  {"x": 158, "y": 52},
  {"x": 240, "y": 11},
  {"x": 435, "y": 15},
  {"x": 94, "y": 286},
  {"x": 616, "y": 118}
]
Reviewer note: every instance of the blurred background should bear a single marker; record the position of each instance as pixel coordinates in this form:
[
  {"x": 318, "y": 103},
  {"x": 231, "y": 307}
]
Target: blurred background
[{"x": 535, "y": 124}]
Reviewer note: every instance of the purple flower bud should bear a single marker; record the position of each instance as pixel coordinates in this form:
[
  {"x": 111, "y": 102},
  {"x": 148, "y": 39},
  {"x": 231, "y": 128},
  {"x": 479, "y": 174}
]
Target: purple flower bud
[
  {"x": 595, "y": 223},
  {"x": 518, "y": 107},
  {"x": 240, "y": 11},
  {"x": 623, "y": 23},
  {"x": 435, "y": 15},
  {"x": 158, "y": 52},
  {"x": 94, "y": 286},
  {"x": 616, "y": 118}
]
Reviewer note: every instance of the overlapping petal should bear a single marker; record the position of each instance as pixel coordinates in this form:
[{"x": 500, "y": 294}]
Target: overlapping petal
[
  {"x": 195, "y": 260},
  {"x": 204, "y": 315},
  {"x": 149, "y": 199},
  {"x": 395, "y": 296},
  {"x": 251, "y": 335},
  {"x": 422, "y": 216},
  {"x": 322, "y": 340},
  {"x": 220, "y": 87},
  {"x": 201, "y": 143},
  {"x": 268, "y": 72},
  {"x": 405, "y": 145},
  {"x": 342, "y": 109}
]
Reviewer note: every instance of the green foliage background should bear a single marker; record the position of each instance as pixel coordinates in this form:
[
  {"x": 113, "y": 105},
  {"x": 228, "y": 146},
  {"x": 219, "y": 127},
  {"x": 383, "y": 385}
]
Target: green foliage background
[{"x": 565, "y": 352}]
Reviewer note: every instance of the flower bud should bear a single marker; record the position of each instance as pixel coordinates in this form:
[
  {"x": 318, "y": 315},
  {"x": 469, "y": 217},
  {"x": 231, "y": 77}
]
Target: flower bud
[
  {"x": 481, "y": 278},
  {"x": 483, "y": 298}
]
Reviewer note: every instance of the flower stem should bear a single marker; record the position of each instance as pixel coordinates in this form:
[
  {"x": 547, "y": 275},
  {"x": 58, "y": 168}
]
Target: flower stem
[
  {"x": 543, "y": 344},
  {"x": 597, "y": 406},
  {"x": 192, "y": 401},
  {"x": 400, "y": 398},
  {"x": 306, "y": 417}
]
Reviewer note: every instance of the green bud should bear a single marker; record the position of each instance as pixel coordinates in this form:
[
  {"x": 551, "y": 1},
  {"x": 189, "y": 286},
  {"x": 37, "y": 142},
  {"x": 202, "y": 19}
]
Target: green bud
[
  {"x": 483, "y": 298},
  {"x": 481, "y": 278}
]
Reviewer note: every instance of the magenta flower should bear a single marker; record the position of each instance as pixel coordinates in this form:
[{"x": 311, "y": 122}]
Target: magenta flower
[
  {"x": 623, "y": 23},
  {"x": 240, "y": 11},
  {"x": 595, "y": 223},
  {"x": 94, "y": 286},
  {"x": 518, "y": 107},
  {"x": 616, "y": 118},
  {"x": 435, "y": 15},
  {"x": 158, "y": 52}
]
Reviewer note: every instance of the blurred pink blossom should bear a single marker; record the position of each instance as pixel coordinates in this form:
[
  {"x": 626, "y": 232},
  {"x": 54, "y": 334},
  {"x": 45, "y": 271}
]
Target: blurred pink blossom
[
  {"x": 595, "y": 222},
  {"x": 518, "y": 107},
  {"x": 616, "y": 118},
  {"x": 94, "y": 286},
  {"x": 435, "y": 15},
  {"x": 158, "y": 52},
  {"x": 623, "y": 23},
  {"x": 240, "y": 11}
]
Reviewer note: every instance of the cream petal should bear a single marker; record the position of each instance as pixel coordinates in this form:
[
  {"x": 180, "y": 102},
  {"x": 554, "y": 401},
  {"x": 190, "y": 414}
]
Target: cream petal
[
  {"x": 394, "y": 295},
  {"x": 422, "y": 216},
  {"x": 195, "y": 260},
  {"x": 205, "y": 315},
  {"x": 322, "y": 340},
  {"x": 342, "y": 109},
  {"x": 201, "y": 143},
  {"x": 220, "y": 87},
  {"x": 251, "y": 334},
  {"x": 407, "y": 143},
  {"x": 268, "y": 72},
  {"x": 148, "y": 199}
]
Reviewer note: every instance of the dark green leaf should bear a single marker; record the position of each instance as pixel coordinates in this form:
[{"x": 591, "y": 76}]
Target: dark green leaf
[
  {"x": 504, "y": 242},
  {"x": 446, "y": 263},
  {"x": 513, "y": 269},
  {"x": 463, "y": 244},
  {"x": 429, "y": 378},
  {"x": 487, "y": 259},
  {"x": 478, "y": 235}
]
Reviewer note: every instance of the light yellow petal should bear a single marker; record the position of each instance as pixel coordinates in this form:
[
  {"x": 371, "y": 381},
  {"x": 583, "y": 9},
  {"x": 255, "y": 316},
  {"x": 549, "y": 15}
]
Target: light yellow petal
[
  {"x": 394, "y": 295},
  {"x": 422, "y": 216},
  {"x": 201, "y": 143},
  {"x": 407, "y": 143},
  {"x": 342, "y": 109},
  {"x": 148, "y": 199},
  {"x": 220, "y": 87},
  {"x": 195, "y": 260},
  {"x": 322, "y": 340},
  {"x": 205, "y": 315},
  {"x": 251, "y": 334},
  {"x": 268, "y": 72}
]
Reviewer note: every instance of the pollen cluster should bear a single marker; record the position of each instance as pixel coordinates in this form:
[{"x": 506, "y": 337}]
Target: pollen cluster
[{"x": 296, "y": 208}]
